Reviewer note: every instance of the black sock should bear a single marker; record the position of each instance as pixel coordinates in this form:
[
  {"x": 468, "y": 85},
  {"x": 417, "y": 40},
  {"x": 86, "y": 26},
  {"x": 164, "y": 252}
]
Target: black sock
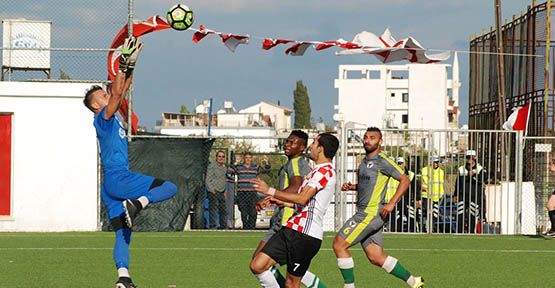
[
  {"x": 125, "y": 279},
  {"x": 552, "y": 219}
]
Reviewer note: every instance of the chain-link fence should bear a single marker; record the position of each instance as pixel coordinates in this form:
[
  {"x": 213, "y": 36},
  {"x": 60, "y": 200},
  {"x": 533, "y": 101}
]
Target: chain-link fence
[
  {"x": 526, "y": 42},
  {"x": 538, "y": 151},
  {"x": 229, "y": 202},
  {"x": 58, "y": 39}
]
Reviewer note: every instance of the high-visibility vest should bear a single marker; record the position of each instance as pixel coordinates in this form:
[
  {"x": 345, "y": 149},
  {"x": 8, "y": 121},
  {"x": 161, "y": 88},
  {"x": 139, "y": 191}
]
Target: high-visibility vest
[
  {"x": 434, "y": 188},
  {"x": 392, "y": 185}
]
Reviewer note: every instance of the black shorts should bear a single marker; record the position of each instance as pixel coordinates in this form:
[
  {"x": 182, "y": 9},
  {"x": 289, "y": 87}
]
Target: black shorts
[{"x": 293, "y": 248}]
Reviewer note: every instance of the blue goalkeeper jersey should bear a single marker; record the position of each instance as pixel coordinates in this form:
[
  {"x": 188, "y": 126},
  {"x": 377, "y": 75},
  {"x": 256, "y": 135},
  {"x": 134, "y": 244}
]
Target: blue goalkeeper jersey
[{"x": 113, "y": 143}]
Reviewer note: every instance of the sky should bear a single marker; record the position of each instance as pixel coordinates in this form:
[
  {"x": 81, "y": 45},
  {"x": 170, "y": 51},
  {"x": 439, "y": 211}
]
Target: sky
[{"x": 173, "y": 71}]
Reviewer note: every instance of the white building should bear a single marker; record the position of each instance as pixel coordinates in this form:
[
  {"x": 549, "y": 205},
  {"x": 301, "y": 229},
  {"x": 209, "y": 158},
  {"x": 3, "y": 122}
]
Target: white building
[
  {"x": 49, "y": 182},
  {"x": 413, "y": 96},
  {"x": 260, "y": 122}
]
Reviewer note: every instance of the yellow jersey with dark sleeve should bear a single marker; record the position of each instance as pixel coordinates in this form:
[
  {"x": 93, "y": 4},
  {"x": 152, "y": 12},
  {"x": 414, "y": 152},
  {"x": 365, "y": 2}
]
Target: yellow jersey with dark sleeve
[
  {"x": 297, "y": 166},
  {"x": 374, "y": 173}
]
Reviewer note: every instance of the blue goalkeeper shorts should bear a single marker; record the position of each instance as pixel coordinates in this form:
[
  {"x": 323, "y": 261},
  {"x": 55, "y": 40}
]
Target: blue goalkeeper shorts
[{"x": 120, "y": 185}]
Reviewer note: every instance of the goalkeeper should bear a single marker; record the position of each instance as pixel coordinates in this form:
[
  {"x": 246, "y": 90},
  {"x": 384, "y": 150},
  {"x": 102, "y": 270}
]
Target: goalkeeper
[{"x": 123, "y": 192}]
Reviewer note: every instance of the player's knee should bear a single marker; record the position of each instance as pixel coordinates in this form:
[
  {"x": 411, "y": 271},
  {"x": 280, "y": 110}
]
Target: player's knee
[
  {"x": 256, "y": 267},
  {"x": 171, "y": 187},
  {"x": 339, "y": 244},
  {"x": 292, "y": 282}
]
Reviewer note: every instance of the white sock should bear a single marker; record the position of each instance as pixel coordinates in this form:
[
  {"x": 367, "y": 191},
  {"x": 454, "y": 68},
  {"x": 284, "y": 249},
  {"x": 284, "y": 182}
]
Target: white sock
[
  {"x": 144, "y": 201},
  {"x": 309, "y": 278},
  {"x": 389, "y": 264},
  {"x": 349, "y": 285},
  {"x": 345, "y": 263},
  {"x": 267, "y": 279},
  {"x": 123, "y": 272},
  {"x": 411, "y": 281}
]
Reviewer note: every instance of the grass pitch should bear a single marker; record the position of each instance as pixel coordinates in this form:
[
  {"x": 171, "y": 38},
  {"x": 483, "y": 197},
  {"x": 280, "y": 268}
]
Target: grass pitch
[{"x": 221, "y": 259}]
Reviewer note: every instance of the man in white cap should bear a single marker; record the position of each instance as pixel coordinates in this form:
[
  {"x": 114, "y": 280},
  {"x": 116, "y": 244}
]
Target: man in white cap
[
  {"x": 469, "y": 193},
  {"x": 433, "y": 181}
]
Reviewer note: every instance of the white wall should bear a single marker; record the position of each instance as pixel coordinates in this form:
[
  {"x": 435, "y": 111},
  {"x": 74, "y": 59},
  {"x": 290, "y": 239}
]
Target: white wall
[
  {"x": 54, "y": 158},
  {"x": 262, "y": 145},
  {"x": 361, "y": 100},
  {"x": 427, "y": 96}
]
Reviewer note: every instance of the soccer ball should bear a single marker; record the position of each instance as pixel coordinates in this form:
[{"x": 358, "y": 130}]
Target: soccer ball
[{"x": 180, "y": 17}]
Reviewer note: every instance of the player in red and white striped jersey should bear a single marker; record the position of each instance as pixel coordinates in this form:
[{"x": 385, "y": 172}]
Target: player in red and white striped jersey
[{"x": 300, "y": 239}]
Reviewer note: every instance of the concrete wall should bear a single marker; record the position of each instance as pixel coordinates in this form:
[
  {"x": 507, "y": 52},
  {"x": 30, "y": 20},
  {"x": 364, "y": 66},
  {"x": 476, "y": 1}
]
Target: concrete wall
[{"x": 54, "y": 158}]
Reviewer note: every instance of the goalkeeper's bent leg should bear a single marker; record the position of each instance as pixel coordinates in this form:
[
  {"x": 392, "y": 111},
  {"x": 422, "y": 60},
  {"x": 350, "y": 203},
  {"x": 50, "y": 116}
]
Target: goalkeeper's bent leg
[{"x": 160, "y": 191}]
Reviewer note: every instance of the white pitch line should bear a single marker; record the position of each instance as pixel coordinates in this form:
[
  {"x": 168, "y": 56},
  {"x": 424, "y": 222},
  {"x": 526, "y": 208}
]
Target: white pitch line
[{"x": 251, "y": 249}]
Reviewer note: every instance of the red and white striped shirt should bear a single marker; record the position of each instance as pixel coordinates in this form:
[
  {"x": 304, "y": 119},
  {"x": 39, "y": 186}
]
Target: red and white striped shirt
[{"x": 309, "y": 219}]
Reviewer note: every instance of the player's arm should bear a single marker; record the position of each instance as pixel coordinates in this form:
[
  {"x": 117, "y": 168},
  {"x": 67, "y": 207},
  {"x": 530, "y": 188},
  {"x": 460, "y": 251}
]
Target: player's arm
[
  {"x": 301, "y": 198},
  {"x": 129, "y": 54},
  {"x": 295, "y": 184},
  {"x": 117, "y": 93},
  {"x": 404, "y": 183}
]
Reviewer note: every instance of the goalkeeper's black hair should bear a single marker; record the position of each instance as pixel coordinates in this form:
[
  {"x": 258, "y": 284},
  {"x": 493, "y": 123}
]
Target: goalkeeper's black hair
[
  {"x": 87, "y": 99},
  {"x": 301, "y": 134}
]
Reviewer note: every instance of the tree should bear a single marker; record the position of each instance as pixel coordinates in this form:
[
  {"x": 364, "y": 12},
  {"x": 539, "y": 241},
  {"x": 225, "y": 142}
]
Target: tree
[
  {"x": 184, "y": 110},
  {"x": 301, "y": 105},
  {"x": 63, "y": 75}
]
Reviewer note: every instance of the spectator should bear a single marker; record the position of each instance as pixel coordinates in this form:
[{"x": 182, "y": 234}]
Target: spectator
[
  {"x": 230, "y": 193},
  {"x": 433, "y": 181},
  {"x": 469, "y": 193},
  {"x": 403, "y": 217},
  {"x": 215, "y": 186},
  {"x": 247, "y": 197}
]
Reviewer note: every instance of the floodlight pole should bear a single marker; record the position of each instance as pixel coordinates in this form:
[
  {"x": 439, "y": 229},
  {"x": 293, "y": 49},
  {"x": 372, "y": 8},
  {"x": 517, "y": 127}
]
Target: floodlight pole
[
  {"x": 500, "y": 77},
  {"x": 130, "y": 91}
]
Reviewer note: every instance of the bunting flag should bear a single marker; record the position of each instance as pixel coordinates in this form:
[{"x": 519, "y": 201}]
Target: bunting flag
[
  {"x": 298, "y": 48},
  {"x": 385, "y": 48},
  {"x": 339, "y": 42},
  {"x": 270, "y": 43},
  {"x": 518, "y": 120},
  {"x": 388, "y": 50},
  {"x": 154, "y": 23},
  {"x": 231, "y": 41}
]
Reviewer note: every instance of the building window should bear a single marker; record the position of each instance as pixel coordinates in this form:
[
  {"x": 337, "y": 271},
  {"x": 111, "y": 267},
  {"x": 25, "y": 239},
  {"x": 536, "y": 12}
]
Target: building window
[
  {"x": 405, "y": 119},
  {"x": 406, "y": 97},
  {"x": 392, "y": 94}
]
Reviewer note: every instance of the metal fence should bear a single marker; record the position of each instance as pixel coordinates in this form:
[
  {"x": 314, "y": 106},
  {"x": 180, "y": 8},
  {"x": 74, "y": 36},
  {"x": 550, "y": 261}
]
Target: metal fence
[
  {"x": 79, "y": 35},
  {"x": 499, "y": 201},
  {"x": 527, "y": 69},
  {"x": 441, "y": 197}
]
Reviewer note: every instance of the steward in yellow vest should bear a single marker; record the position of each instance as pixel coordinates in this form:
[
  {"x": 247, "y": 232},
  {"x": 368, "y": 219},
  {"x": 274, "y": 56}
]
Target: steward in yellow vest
[{"x": 433, "y": 181}]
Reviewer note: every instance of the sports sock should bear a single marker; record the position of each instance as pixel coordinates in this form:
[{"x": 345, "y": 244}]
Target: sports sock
[
  {"x": 552, "y": 219},
  {"x": 393, "y": 267},
  {"x": 279, "y": 278},
  {"x": 123, "y": 272},
  {"x": 121, "y": 248},
  {"x": 161, "y": 193},
  {"x": 312, "y": 281},
  {"x": 346, "y": 266},
  {"x": 267, "y": 279},
  {"x": 411, "y": 281},
  {"x": 144, "y": 201}
]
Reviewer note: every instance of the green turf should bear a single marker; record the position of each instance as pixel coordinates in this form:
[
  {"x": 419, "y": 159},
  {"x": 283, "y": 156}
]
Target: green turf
[{"x": 212, "y": 259}]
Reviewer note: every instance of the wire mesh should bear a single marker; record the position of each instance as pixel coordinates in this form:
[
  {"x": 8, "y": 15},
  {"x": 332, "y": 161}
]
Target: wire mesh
[{"x": 80, "y": 32}]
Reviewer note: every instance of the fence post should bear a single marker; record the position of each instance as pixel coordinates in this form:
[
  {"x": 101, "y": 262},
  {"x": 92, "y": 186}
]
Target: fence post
[
  {"x": 339, "y": 197},
  {"x": 519, "y": 151}
]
